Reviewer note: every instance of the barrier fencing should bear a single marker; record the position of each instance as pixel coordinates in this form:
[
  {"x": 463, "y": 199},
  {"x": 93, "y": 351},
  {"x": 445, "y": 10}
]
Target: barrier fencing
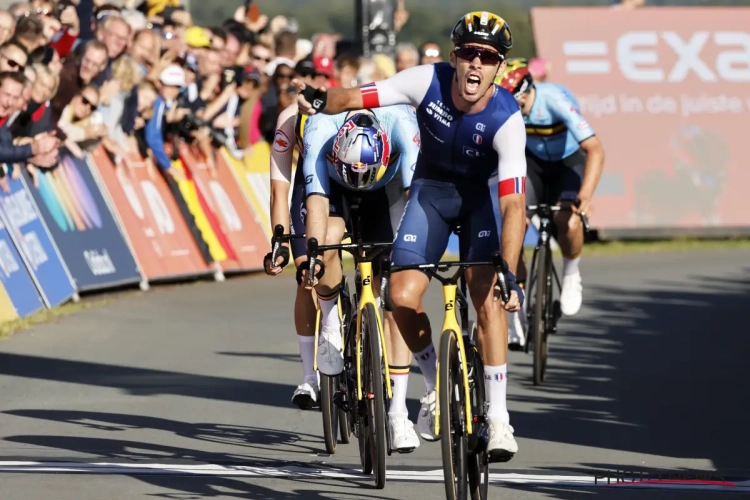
[{"x": 90, "y": 224}]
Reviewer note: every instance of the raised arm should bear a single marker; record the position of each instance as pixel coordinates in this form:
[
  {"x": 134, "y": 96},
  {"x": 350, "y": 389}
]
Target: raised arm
[{"x": 406, "y": 87}]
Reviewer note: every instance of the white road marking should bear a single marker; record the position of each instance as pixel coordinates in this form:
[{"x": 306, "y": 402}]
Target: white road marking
[{"x": 282, "y": 471}]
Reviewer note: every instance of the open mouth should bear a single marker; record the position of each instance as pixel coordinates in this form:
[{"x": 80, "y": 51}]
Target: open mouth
[{"x": 473, "y": 80}]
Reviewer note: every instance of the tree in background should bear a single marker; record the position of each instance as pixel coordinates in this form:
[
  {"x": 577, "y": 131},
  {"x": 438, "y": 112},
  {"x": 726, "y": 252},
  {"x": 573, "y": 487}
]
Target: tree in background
[{"x": 428, "y": 19}]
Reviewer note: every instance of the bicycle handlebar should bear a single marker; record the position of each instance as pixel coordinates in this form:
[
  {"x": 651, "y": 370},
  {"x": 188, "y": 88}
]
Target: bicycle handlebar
[
  {"x": 496, "y": 261},
  {"x": 542, "y": 208}
]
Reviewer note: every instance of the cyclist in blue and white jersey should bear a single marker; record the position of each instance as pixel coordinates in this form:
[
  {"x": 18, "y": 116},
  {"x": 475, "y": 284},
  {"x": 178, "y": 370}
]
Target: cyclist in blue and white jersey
[
  {"x": 370, "y": 155},
  {"x": 473, "y": 141},
  {"x": 565, "y": 160}
]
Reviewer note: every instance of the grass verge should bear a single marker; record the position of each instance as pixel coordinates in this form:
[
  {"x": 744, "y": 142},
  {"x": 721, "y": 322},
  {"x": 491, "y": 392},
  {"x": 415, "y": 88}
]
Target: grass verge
[
  {"x": 8, "y": 328},
  {"x": 674, "y": 245}
]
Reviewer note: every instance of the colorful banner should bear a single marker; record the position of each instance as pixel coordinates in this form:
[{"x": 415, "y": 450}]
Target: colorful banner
[
  {"x": 32, "y": 239},
  {"x": 244, "y": 227},
  {"x": 81, "y": 223},
  {"x": 205, "y": 219},
  {"x": 252, "y": 174},
  {"x": 666, "y": 90},
  {"x": 15, "y": 278},
  {"x": 149, "y": 217}
]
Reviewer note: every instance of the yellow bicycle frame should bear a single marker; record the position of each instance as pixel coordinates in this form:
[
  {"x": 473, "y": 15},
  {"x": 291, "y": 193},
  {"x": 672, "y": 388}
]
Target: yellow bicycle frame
[
  {"x": 451, "y": 323},
  {"x": 368, "y": 297}
]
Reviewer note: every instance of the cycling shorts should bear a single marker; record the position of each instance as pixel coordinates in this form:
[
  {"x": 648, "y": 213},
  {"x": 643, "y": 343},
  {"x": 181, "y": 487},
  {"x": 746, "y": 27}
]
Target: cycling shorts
[
  {"x": 434, "y": 209},
  {"x": 552, "y": 181},
  {"x": 380, "y": 211}
]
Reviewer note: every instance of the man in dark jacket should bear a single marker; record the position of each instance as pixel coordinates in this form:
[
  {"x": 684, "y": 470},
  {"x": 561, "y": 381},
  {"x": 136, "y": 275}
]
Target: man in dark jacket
[{"x": 40, "y": 150}]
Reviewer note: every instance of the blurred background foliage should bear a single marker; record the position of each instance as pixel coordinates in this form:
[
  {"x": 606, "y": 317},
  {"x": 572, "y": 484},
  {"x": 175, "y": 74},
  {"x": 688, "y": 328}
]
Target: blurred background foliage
[{"x": 430, "y": 20}]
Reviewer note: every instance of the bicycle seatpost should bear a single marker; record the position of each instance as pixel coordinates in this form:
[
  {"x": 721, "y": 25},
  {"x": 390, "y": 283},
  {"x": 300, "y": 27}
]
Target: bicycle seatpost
[
  {"x": 278, "y": 233},
  {"x": 501, "y": 267}
]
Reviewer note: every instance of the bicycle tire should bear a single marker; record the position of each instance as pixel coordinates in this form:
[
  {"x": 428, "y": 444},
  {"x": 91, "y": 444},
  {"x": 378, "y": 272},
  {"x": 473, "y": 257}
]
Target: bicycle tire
[
  {"x": 330, "y": 412},
  {"x": 538, "y": 318},
  {"x": 478, "y": 466},
  {"x": 453, "y": 439},
  {"x": 345, "y": 428},
  {"x": 375, "y": 396}
]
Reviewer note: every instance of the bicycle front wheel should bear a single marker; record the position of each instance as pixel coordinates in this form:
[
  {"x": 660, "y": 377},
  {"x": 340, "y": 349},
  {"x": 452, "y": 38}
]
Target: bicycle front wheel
[
  {"x": 330, "y": 411},
  {"x": 375, "y": 398},
  {"x": 478, "y": 464},
  {"x": 538, "y": 324},
  {"x": 453, "y": 437}
]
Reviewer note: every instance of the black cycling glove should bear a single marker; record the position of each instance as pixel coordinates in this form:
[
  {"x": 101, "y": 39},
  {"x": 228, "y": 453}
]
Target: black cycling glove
[
  {"x": 316, "y": 98},
  {"x": 283, "y": 253},
  {"x": 510, "y": 280}
]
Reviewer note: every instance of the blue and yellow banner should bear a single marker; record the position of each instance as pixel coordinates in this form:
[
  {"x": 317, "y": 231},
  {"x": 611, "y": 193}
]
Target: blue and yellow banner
[{"x": 82, "y": 225}]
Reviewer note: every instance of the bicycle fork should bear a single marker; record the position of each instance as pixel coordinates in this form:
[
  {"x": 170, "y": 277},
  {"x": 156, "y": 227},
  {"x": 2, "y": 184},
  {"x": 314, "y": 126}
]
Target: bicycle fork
[{"x": 450, "y": 323}]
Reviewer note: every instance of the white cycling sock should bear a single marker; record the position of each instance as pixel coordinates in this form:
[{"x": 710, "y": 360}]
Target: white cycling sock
[
  {"x": 427, "y": 361},
  {"x": 570, "y": 266},
  {"x": 399, "y": 385},
  {"x": 329, "y": 312},
  {"x": 307, "y": 353},
  {"x": 496, "y": 383}
]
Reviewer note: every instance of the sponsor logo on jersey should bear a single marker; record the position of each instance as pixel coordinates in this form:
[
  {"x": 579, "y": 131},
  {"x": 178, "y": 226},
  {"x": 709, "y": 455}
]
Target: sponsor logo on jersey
[
  {"x": 471, "y": 153},
  {"x": 480, "y": 127},
  {"x": 281, "y": 142}
]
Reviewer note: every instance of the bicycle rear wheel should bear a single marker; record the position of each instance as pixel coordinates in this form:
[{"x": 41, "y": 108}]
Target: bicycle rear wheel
[
  {"x": 375, "y": 398},
  {"x": 538, "y": 324},
  {"x": 478, "y": 463},
  {"x": 453, "y": 438}
]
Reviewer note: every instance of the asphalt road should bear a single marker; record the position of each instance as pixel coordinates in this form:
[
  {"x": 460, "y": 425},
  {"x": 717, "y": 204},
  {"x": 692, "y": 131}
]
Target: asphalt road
[{"x": 185, "y": 393}]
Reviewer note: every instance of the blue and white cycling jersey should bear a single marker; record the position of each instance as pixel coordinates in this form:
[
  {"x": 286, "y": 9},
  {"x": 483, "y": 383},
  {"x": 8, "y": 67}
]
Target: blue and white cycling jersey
[
  {"x": 400, "y": 127},
  {"x": 555, "y": 127}
]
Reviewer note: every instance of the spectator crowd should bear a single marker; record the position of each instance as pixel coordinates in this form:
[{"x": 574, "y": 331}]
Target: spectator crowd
[{"x": 76, "y": 74}]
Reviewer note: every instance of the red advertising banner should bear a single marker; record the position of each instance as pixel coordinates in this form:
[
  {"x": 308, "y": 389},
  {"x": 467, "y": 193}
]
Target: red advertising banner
[
  {"x": 234, "y": 218},
  {"x": 666, "y": 89},
  {"x": 155, "y": 229}
]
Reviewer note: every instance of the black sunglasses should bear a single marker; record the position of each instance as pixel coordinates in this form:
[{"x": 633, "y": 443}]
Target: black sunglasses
[
  {"x": 485, "y": 55},
  {"x": 14, "y": 64},
  {"x": 88, "y": 103}
]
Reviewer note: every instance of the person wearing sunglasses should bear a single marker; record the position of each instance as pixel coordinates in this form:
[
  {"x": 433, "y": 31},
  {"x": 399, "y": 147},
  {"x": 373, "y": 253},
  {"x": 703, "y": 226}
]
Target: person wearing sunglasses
[
  {"x": 13, "y": 57},
  {"x": 429, "y": 53},
  {"x": 565, "y": 160},
  {"x": 471, "y": 171},
  {"x": 79, "y": 127}
]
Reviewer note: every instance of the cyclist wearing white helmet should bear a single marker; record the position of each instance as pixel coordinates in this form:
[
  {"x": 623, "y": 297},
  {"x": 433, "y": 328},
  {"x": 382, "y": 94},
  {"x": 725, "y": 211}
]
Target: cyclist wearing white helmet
[{"x": 370, "y": 155}]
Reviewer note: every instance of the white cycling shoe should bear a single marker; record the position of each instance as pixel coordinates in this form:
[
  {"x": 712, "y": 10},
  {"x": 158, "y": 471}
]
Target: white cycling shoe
[
  {"x": 330, "y": 353},
  {"x": 404, "y": 438},
  {"x": 426, "y": 419},
  {"x": 571, "y": 297},
  {"x": 306, "y": 396},
  {"x": 502, "y": 446}
]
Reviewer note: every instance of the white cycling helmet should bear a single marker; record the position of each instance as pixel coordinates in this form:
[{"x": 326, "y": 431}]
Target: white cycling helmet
[{"x": 361, "y": 152}]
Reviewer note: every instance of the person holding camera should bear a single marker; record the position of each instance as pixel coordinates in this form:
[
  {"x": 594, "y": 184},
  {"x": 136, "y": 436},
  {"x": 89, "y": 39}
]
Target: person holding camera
[{"x": 166, "y": 110}]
